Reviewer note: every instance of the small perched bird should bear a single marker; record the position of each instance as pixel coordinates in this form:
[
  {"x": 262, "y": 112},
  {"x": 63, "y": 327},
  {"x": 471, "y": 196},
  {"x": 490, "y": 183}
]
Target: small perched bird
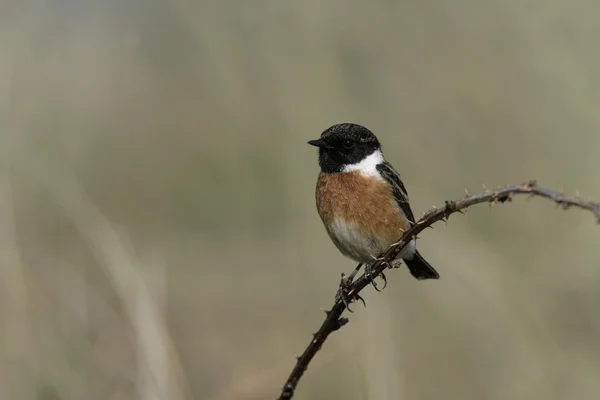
[{"x": 361, "y": 199}]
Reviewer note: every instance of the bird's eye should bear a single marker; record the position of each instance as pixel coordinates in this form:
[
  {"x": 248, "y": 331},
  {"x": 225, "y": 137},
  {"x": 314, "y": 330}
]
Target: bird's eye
[{"x": 348, "y": 144}]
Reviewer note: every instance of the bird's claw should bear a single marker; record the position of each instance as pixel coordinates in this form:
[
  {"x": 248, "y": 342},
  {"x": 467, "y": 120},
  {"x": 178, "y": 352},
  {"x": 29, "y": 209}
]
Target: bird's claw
[
  {"x": 343, "y": 297},
  {"x": 384, "y": 282},
  {"x": 369, "y": 276},
  {"x": 342, "y": 293}
]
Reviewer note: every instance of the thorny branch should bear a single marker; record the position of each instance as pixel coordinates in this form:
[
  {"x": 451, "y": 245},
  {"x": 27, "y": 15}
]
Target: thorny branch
[{"x": 334, "y": 321}]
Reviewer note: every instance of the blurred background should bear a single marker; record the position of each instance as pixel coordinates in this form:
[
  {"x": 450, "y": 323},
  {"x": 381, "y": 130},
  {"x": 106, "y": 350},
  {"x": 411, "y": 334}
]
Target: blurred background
[{"x": 158, "y": 234}]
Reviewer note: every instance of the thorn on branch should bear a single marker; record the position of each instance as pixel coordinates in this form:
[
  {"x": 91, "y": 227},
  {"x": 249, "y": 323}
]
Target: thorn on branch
[
  {"x": 340, "y": 322},
  {"x": 395, "y": 244}
]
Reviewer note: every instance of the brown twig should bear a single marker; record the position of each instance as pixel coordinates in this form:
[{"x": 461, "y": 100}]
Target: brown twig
[{"x": 334, "y": 320}]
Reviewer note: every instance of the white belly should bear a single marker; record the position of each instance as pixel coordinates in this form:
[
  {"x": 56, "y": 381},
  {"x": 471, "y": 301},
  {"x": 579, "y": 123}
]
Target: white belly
[{"x": 359, "y": 245}]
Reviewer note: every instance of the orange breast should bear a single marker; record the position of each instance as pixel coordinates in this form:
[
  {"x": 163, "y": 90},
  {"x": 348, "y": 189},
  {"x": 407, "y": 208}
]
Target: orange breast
[{"x": 366, "y": 201}]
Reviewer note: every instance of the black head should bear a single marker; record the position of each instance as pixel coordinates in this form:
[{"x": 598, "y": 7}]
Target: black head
[{"x": 344, "y": 144}]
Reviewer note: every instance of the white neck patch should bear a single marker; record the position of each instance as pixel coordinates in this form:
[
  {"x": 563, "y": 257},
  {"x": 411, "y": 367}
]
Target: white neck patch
[{"x": 368, "y": 165}]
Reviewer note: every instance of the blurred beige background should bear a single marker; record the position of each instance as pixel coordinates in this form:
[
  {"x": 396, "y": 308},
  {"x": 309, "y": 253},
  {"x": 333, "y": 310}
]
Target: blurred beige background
[{"x": 158, "y": 236}]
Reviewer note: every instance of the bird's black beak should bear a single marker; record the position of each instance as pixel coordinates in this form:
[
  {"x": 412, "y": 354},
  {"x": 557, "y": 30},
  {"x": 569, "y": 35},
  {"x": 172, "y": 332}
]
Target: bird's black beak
[{"x": 318, "y": 143}]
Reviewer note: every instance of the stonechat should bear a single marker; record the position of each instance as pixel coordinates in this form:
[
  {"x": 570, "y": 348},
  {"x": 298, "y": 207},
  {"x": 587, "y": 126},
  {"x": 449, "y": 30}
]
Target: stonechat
[{"x": 362, "y": 200}]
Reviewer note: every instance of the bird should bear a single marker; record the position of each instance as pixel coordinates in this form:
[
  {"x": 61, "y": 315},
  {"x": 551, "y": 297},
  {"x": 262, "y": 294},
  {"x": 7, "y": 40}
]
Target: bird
[{"x": 362, "y": 200}]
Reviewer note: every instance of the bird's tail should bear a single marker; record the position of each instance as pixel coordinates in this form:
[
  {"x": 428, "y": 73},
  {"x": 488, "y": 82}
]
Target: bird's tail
[{"x": 420, "y": 269}]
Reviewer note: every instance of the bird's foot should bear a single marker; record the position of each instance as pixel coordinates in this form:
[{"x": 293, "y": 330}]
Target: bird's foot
[
  {"x": 343, "y": 293},
  {"x": 369, "y": 276}
]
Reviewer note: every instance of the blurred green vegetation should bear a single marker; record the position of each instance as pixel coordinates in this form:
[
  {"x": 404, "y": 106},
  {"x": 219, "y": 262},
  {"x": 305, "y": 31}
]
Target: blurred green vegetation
[{"x": 157, "y": 224}]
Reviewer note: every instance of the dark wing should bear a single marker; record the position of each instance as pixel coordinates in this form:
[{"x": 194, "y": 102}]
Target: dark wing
[{"x": 399, "y": 191}]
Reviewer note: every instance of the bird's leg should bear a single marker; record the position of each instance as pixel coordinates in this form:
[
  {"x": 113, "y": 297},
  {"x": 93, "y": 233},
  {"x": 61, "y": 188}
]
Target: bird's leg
[
  {"x": 348, "y": 281},
  {"x": 345, "y": 283},
  {"x": 369, "y": 276}
]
